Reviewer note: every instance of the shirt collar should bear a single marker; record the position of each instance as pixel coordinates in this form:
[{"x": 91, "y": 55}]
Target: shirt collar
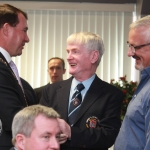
[
  {"x": 87, "y": 83},
  {"x": 146, "y": 71},
  {"x": 5, "y": 54}
]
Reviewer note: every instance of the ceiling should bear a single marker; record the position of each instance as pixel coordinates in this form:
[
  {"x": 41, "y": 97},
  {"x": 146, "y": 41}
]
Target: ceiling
[{"x": 143, "y": 5}]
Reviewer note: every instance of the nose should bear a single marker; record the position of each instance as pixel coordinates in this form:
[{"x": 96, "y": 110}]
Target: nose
[
  {"x": 54, "y": 144},
  {"x": 27, "y": 39},
  {"x": 55, "y": 70},
  {"x": 69, "y": 56},
  {"x": 130, "y": 52}
]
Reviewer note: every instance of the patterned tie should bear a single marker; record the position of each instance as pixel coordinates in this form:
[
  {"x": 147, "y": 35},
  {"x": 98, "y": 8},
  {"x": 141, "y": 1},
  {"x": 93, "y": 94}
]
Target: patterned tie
[
  {"x": 75, "y": 103},
  {"x": 15, "y": 70}
]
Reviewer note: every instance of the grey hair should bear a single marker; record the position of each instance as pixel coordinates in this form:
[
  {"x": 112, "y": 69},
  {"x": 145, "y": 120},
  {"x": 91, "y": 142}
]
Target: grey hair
[
  {"x": 142, "y": 23},
  {"x": 23, "y": 122},
  {"x": 89, "y": 40}
]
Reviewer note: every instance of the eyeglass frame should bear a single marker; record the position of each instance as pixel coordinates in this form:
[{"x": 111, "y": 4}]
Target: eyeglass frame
[{"x": 136, "y": 47}]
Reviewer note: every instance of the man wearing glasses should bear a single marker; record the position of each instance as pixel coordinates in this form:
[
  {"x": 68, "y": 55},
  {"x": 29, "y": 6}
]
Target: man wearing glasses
[{"x": 135, "y": 130}]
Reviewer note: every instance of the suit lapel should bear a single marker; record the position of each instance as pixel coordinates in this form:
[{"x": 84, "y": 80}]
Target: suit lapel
[
  {"x": 91, "y": 96},
  {"x": 63, "y": 98},
  {"x": 4, "y": 61}
]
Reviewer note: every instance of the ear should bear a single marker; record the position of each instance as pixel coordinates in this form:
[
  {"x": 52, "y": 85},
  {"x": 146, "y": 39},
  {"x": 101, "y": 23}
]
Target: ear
[
  {"x": 94, "y": 56},
  {"x": 20, "y": 141},
  {"x": 6, "y": 28}
]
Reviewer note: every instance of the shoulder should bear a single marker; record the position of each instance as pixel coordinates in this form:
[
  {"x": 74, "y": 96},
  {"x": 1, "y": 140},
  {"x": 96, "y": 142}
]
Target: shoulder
[
  {"x": 58, "y": 85},
  {"x": 106, "y": 86},
  {"x": 40, "y": 88},
  {"x": 12, "y": 148}
]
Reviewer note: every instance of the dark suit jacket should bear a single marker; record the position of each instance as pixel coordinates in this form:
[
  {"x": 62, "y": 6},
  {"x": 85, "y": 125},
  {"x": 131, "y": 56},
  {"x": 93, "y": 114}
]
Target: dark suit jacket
[
  {"x": 12, "y": 99},
  {"x": 102, "y": 100},
  {"x": 38, "y": 91}
]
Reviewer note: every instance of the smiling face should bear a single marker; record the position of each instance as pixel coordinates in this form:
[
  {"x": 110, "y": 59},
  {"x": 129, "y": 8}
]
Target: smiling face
[
  {"x": 81, "y": 63},
  {"x": 17, "y": 36},
  {"x": 142, "y": 56},
  {"x": 45, "y": 135}
]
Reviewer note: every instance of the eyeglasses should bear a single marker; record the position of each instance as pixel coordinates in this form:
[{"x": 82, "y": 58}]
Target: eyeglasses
[{"x": 134, "y": 48}]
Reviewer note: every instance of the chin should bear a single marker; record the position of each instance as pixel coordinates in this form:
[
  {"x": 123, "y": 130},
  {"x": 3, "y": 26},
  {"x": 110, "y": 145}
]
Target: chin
[
  {"x": 139, "y": 67},
  {"x": 71, "y": 72},
  {"x": 19, "y": 54}
]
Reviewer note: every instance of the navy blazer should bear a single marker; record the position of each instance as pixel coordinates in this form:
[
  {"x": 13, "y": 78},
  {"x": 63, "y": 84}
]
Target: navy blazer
[{"x": 102, "y": 101}]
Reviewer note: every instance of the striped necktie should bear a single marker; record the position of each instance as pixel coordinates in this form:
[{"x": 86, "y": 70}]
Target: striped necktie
[{"x": 75, "y": 103}]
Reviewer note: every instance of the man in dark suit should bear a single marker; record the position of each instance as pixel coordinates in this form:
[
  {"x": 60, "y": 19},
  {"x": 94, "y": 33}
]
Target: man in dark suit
[
  {"x": 36, "y": 128},
  {"x": 56, "y": 69},
  {"x": 15, "y": 93},
  {"x": 91, "y": 116}
]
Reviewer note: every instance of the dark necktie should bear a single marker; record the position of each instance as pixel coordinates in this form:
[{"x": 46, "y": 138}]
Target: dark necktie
[{"x": 75, "y": 103}]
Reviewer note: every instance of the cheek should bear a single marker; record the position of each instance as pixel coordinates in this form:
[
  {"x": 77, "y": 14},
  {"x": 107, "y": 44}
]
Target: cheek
[
  {"x": 86, "y": 61},
  {"x": 145, "y": 58},
  {"x": 35, "y": 144},
  {"x": 50, "y": 72}
]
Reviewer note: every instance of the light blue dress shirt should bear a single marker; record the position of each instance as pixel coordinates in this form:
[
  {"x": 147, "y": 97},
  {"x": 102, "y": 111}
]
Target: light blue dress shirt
[
  {"x": 135, "y": 130},
  {"x": 87, "y": 83}
]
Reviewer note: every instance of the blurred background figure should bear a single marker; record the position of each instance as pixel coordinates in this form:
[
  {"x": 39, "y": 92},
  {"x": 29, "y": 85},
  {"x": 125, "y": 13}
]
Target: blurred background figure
[{"x": 56, "y": 69}]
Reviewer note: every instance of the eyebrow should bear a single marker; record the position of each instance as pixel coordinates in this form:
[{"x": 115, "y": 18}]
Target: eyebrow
[
  {"x": 49, "y": 133},
  {"x": 129, "y": 43},
  {"x": 73, "y": 49}
]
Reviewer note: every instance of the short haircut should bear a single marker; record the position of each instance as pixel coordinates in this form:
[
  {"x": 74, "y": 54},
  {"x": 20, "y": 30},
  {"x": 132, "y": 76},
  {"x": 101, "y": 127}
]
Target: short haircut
[
  {"x": 23, "y": 122},
  {"x": 145, "y": 21},
  {"x": 142, "y": 23},
  {"x": 61, "y": 59},
  {"x": 9, "y": 14},
  {"x": 89, "y": 40}
]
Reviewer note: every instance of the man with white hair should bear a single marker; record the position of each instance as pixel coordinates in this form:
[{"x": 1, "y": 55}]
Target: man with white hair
[{"x": 90, "y": 106}]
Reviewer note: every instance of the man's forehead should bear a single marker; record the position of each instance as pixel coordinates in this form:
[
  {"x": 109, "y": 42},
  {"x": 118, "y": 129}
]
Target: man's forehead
[{"x": 55, "y": 62}]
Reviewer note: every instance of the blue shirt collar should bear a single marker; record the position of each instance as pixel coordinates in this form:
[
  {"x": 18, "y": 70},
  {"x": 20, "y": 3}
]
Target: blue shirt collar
[
  {"x": 146, "y": 71},
  {"x": 87, "y": 83}
]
